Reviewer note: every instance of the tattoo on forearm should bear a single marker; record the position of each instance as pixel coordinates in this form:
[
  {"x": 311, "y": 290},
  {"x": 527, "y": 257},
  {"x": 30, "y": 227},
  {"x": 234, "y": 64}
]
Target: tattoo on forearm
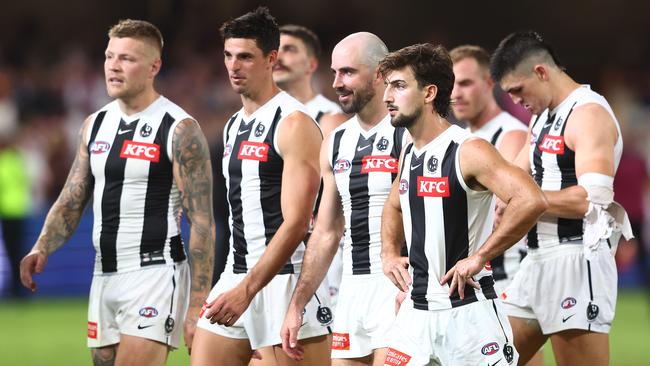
[
  {"x": 103, "y": 356},
  {"x": 65, "y": 214},
  {"x": 192, "y": 155}
]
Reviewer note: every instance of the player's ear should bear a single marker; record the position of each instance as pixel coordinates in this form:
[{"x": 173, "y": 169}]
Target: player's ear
[
  {"x": 430, "y": 92},
  {"x": 272, "y": 57},
  {"x": 541, "y": 71},
  {"x": 155, "y": 66},
  {"x": 313, "y": 64}
]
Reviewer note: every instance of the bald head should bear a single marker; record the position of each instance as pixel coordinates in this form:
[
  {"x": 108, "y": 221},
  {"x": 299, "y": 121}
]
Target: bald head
[{"x": 363, "y": 47}]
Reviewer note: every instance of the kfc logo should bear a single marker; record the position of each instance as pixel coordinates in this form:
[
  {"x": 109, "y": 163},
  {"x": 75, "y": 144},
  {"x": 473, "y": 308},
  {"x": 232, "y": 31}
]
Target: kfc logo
[
  {"x": 253, "y": 151},
  {"x": 433, "y": 187},
  {"x": 383, "y": 163},
  {"x": 552, "y": 144},
  {"x": 140, "y": 150},
  {"x": 98, "y": 147}
]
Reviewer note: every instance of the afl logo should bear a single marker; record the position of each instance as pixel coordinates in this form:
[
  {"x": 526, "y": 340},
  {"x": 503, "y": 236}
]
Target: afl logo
[
  {"x": 149, "y": 312},
  {"x": 403, "y": 186},
  {"x": 145, "y": 131},
  {"x": 568, "y": 303},
  {"x": 259, "y": 130},
  {"x": 98, "y": 147},
  {"x": 490, "y": 349},
  {"x": 341, "y": 166},
  {"x": 227, "y": 150}
]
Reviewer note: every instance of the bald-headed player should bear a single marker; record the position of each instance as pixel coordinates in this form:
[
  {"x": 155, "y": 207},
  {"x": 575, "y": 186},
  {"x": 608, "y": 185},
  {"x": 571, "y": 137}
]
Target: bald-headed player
[{"x": 359, "y": 163}]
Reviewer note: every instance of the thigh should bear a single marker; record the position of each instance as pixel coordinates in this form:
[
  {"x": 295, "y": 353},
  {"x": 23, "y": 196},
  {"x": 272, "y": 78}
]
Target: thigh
[
  {"x": 580, "y": 347},
  {"x": 528, "y": 337},
  {"x": 316, "y": 352},
  {"x": 209, "y": 348},
  {"x": 267, "y": 355},
  {"x": 136, "y": 351},
  {"x": 361, "y": 361}
]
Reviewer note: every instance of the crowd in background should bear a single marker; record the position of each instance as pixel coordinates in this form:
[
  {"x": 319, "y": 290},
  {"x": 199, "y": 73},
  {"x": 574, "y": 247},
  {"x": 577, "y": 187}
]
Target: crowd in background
[{"x": 42, "y": 106}]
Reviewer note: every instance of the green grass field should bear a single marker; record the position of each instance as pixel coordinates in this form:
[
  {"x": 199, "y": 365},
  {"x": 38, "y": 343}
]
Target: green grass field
[{"x": 53, "y": 332}]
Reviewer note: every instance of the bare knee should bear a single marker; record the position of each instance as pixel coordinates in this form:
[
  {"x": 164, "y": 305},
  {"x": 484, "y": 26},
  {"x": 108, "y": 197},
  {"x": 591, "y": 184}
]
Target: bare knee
[{"x": 104, "y": 356}]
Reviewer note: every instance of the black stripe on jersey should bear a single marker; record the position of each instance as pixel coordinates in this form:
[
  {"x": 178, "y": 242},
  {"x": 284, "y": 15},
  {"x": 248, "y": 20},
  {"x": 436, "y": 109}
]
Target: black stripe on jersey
[
  {"x": 360, "y": 198},
  {"x": 229, "y": 125},
  {"x": 156, "y": 204},
  {"x": 96, "y": 124},
  {"x": 487, "y": 287},
  {"x": 568, "y": 229},
  {"x": 454, "y": 212},
  {"x": 532, "y": 240},
  {"x": 111, "y": 197},
  {"x": 335, "y": 148},
  {"x": 496, "y": 135},
  {"x": 398, "y": 136},
  {"x": 417, "y": 253},
  {"x": 319, "y": 116},
  {"x": 270, "y": 173},
  {"x": 234, "y": 199}
]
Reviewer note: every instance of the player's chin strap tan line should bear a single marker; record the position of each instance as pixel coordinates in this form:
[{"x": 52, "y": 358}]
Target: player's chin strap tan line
[{"x": 605, "y": 219}]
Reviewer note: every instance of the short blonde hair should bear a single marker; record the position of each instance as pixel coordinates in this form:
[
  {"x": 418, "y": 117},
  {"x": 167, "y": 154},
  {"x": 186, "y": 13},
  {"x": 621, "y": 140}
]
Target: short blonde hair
[
  {"x": 138, "y": 29},
  {"x": 479, "y": 54}
]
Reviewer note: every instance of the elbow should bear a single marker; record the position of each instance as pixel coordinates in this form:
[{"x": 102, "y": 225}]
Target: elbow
[{"x": 539, "y": 204}]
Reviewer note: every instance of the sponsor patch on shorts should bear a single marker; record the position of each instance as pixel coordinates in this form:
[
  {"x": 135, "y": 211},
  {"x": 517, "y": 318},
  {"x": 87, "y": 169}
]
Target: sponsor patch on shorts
[
  {"x": 341, "y": 341},
  {"x": 396, "y": 358},
  {"x": 92, "y": 330}
]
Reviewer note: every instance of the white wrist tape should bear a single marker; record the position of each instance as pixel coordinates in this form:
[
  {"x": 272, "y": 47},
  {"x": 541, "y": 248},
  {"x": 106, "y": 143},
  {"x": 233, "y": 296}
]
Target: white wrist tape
[{"x": 599, "y": 187}]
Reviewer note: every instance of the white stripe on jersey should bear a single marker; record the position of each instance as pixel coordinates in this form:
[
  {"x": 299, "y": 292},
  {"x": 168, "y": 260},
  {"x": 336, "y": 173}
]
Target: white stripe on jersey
[
  {"x": 553, "y": 164},
  {"x": 320, "y": 106},
  {"x": 135, "y": 223},
  {"x": 364, "y": 164},
  {"x": 444, "y": 220},
  {"x": 252, "y": 166}
]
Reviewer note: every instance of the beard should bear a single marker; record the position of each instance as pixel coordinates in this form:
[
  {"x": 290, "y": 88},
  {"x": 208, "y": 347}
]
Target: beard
[
  {"x": 406, "y": 120},
  {"x": 359, "y": 99}
]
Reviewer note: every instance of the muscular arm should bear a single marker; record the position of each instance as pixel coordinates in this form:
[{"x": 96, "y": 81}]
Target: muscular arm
[
  {"x": 325, "y": 239},
  {"x": 511, "y": 144},
  {"x": 65, "y": 214},
  {"x": 331, "y": 121},
  {"x": 591, "y": 134},
  {"x": 299, "y": 140},
  {"x": 483, "y": 167},
  {"x": 193, "y": 176}
]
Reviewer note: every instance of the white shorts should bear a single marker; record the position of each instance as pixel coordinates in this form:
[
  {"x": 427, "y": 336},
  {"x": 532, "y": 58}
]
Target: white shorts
[
  {"x": 149, "y": 303},
  {"x": 559, "y": 288},
  {"x": 364, "y": 315},
  {"x": 262, "y": 322},
  {"x": 511, "y": 262},
  {"x": 333, "y": 277},
  {"x": 473, "y": 334}
]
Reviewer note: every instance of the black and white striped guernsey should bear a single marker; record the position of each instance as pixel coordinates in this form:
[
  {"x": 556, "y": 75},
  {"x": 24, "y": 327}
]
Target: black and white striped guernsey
[
  {"x": 553, "y": 165},
  {"x": 444, "y": 220},
  {"x": 320, "y": 106},
  {"x": 136, "y": 202},
  {"x": 252, "y": 166},
  {"x": 364, "y": 164},
  {"x": 493, "y": 131}
]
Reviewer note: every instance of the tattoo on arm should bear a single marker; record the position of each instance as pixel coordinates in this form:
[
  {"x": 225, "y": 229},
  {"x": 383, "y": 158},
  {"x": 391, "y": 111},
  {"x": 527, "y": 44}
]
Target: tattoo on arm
[
  {"x": 65, "y": 214},
  {"x": 192, "y": 157}
]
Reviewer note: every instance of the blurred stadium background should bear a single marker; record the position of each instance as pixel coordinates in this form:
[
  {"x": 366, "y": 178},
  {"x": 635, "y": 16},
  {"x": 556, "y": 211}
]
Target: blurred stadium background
[{"x": 51, "y": 77}]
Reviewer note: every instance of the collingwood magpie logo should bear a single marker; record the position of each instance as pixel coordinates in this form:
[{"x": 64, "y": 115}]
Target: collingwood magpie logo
[
  {"x": 382, "y": 145},
  {"x": 169, "y": 324},
  {"x": 558, "y": 124},
  {"x": 324, "y": 315},
  {"x": 592, "y": 311},
  {"x": 432, "y": 164},
  {"x": 145, "y": 131},
  {"x": 259, "y": 130}
]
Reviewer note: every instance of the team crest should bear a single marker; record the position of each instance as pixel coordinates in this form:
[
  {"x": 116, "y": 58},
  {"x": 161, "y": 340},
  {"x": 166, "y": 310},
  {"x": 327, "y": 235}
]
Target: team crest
[
  {"x": 259, "y": 130},
  {"x": 432, "y": 164},
  {"x": 146, "y": 130},
  {"x": 169, "y": 324},
  {"x": 592, "y": 312},
  {"x": 558, "y": 124},
  {"x": 324, "y": 315},
  {"x": 508, "y": 353},
  {"x": 382, "y": 145}
]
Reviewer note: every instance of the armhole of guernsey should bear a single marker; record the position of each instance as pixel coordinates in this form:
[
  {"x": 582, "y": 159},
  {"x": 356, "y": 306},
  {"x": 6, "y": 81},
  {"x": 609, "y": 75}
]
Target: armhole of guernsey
[
  {"x": 91, "y": 131},
  {"x": 459, "y": 173}
]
